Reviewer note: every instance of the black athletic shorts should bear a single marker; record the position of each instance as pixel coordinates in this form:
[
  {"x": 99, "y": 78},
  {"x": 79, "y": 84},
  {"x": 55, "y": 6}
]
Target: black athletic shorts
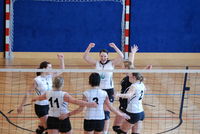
[
  {"x": 62, "y": 125},
  {"x": 94, "y": 125},
  {"x": 41, "y": 110},
  {"x": 135, "y": 117},
  {"x": 110, "y": 93}
]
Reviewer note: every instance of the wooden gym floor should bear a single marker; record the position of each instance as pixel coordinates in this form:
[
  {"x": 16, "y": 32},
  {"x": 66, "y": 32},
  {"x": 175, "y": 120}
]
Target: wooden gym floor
[{"x": 162, "y": 100}]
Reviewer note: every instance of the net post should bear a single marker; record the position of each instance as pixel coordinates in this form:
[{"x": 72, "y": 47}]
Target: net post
[
  {"x": 7, "y": 50},
  {"x": 127, "y": 28}
]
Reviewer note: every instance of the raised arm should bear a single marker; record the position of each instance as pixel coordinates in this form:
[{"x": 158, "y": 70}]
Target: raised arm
[
  {"x": 86, "y": 56},
  {"x": 131, "y": 58},
  {"x": 61, "y": 62},
  {"x": 120, "y": 56}
]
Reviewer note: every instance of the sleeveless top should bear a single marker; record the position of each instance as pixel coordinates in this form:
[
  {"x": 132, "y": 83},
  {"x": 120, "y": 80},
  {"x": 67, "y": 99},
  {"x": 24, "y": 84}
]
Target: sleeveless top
[
  {"x": 57, "y": 105},
  {"x": 106, "y": 77},
  {"x": 135, "y": 102},
  {"x": 43, "y": 84},
  {"x": 99, "y": 96}
]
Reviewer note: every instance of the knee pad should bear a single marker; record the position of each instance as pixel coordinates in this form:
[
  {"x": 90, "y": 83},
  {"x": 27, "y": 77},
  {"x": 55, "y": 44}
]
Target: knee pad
[
  {"x": 40, "y": 130},
  {"x": 107, "y": 115},
  {"x": 115, "y": 128},
  {"x": 121, "y": 132}
]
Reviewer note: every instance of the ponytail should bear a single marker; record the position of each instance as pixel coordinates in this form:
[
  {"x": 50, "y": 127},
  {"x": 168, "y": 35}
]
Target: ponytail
[{"x": 138, "y": 76}]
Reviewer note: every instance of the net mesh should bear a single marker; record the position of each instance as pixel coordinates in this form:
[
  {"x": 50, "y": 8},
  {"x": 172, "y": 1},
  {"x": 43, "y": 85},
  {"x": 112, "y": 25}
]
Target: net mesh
[{"x": 166, "y": 107}]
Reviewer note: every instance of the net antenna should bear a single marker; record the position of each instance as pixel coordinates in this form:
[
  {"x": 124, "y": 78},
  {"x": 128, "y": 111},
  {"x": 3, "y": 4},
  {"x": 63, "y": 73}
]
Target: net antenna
[{"x": 9, "y": 23}]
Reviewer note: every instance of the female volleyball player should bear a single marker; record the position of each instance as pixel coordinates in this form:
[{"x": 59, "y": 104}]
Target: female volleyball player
[
  {"x": 58, "y": 105},
  {"x": 106, "y": 82},
  {"x": 95, "y": 117},
  {"x": 42, "y": 83},
  {"x": 125, "y": 84},
  {"x": 134, "y": 103}
]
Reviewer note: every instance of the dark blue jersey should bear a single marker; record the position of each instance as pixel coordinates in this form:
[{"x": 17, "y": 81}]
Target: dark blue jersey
[{"x": 125, "y": 84}]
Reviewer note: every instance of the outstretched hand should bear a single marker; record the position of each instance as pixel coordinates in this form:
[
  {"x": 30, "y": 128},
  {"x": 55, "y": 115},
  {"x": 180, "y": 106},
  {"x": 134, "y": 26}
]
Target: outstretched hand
[
  {"x": 112, "y": 45},
  {"x": 125, "y": 116},
  {"x": 91, "y": 45},
  {"x": 60, "y": 56},
  {"x": 19, "y": 109},
  {"x": 134, "y": 48},
  {"x": 64, "y": 116}
]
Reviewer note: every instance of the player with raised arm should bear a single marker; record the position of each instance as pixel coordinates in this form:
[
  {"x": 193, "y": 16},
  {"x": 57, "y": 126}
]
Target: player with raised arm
[
  {"x": 134, "y": 103},
  {"x": 125, "y": 85},
  {"x": 41, "y": 84},
  {"x": 106, "y": 82}
]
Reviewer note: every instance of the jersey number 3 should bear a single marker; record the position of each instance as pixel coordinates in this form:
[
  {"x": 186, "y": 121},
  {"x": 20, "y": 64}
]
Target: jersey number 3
[
  {"x": 96, "y": 100},
  {"x": 55, "y": 101}
]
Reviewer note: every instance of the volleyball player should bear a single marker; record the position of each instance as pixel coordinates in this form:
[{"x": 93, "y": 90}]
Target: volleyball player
[
  {"x": 58, "y": 105},
  {"x": 134, "y": 107},
  {"x": 125, "y": 85},
  {"x": 42, "y": 83},
  {"x": 106, "y": 82},
  {"x": 95, "y": 117}
]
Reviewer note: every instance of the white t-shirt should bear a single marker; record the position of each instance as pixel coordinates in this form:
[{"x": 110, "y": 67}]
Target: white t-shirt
[
  {"x": 57, "y": 105},
  {"x": 106, "y": 77},
  {"x": 99, "y": 96},
  {"x": 135, "y": 102},
  {"x": 43, "y": 84}
]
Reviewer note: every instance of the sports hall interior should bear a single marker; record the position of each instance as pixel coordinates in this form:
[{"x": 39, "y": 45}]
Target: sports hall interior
[{"x": 166, "y": 32}]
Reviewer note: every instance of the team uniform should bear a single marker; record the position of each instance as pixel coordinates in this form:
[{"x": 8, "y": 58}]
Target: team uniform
[
  {"x": 57, "y": 106},
  {"x": 125, "y": 85},
  {"x": 43, "y": 84},
  {"x": 106, "y": 82},
  {"x": 94, "y": 117},
  {"x": 134, "y": 108}
]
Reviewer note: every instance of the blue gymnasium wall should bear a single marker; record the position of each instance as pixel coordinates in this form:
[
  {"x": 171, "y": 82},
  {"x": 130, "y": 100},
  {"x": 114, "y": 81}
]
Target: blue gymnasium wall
[
  {"x": 156, "y": 25},
  {"x": 1, "y": 25}
]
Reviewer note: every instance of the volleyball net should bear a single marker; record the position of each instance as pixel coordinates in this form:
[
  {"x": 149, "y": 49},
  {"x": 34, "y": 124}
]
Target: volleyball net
[{"x": 171, "y": 102}]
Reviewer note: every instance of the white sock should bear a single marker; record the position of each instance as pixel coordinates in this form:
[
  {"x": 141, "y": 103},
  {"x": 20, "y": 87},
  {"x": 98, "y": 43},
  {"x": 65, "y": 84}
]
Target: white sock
[{"x": 105, "y": 132}]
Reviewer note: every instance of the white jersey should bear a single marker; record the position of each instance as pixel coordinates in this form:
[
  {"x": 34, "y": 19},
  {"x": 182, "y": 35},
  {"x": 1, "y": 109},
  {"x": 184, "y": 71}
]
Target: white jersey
[
  {"x": 98, "y": 96},
  {"x": 135, "y": 102},
  {"x": 57, "y": 105},
  {"x": 106, "y": 77},
  {"x": 43, "y": 84}
]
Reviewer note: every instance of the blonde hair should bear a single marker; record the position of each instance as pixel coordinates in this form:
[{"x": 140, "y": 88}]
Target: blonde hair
[{"x": 58, "y": 82}]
